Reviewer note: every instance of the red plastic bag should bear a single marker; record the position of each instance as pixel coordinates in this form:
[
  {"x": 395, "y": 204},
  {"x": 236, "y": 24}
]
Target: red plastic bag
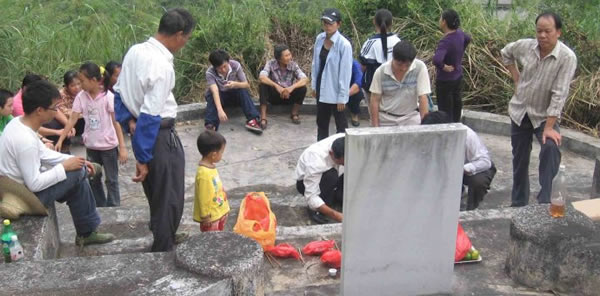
[
  {"x": 318, "y": 247},
  {"x": 332, "y": 258},
  {"x": 283, "y": 251},
  {"x": 463, "y": 244}
]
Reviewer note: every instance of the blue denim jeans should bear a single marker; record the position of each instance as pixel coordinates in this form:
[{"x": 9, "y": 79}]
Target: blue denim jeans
[
  {"x": 77, "y": 193},
  {"x": 233, "y": 97},
  {"x": 109, "y": 160},
  {"x": 354, "y": 102}
]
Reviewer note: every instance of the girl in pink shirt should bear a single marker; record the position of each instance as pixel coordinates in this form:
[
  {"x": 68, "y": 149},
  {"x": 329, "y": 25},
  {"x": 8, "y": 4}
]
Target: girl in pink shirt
[{"x": 102, "y": 135}]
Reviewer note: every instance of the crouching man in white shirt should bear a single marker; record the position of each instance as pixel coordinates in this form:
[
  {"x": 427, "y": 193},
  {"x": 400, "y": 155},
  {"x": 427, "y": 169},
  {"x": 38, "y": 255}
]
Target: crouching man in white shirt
[
  {"x": 318, "y": 178},
  {"x": 478, "y": 170},
  {"x": 65, "y": 179}
]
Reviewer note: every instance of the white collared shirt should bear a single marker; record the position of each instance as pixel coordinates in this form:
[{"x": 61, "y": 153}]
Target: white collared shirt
[
  {"x": 147, "y": 79},
  {"x": 23, "y": 155},
  {"x": 477, "y": 157},
  {"x": 313, "y": 162}
]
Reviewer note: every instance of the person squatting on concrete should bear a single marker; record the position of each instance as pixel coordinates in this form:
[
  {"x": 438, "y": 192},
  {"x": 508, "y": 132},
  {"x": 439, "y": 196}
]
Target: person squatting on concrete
[
  {"x": 318, "y": 179},
  {"x": 399, "y": 87},
  {"x": 144, "y": 104},
  {"x": 541, "y": 89},
  {"x": 65, "y": 179},
  {"x": 281, "y": 82},
  {"x": 478, "y": 170},
  {"x": 356, "y": 94},
  {"x": 228, "y": 86},
  {"x": 102, "y": 136},
  {"x": 211, "y": 206},
  {"x": 331, "y": 72}
]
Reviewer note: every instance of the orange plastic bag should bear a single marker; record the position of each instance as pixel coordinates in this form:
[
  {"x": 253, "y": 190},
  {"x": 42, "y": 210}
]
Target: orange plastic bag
[
  {"x": 463, "y": 244},
  {"x": 332, "y": 258},
  {"x": 256, "y": 220}
]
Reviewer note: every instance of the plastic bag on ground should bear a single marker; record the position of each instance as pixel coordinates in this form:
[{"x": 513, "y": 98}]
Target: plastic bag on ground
[
  {"x": 283, "y": 250},
  {"x": 318, "y": 247},
  {"x": 463, "y": 244},
  {"x": 332, "y": 258},
  {"x": 256, "y": 220}
]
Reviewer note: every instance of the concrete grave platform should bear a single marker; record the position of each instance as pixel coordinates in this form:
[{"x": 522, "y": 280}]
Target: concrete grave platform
[
  {"x": 39, "y": 236},
  {"x": 266, "y": 163},
  {"x": 561, "y": 254}
]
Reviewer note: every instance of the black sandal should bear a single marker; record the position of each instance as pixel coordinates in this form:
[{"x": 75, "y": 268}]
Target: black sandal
[
  {"x": 295, "y": 118},
  {"x": 263, "y": 123}
]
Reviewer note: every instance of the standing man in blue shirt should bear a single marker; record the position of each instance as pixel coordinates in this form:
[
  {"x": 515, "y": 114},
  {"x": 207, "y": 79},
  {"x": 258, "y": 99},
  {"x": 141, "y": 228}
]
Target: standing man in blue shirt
[
  {"x": 144, "y": 104},
  {"x": 331, "y": 72}
]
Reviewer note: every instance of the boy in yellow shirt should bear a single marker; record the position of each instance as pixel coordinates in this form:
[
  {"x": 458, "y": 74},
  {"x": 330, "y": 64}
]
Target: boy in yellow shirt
[{"x": 211, "y": 207}]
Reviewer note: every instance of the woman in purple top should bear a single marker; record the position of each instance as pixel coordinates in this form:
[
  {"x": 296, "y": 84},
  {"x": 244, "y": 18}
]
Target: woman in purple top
[{"x": 448, "y": 62}]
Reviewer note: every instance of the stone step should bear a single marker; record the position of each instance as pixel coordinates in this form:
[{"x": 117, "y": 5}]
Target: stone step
[
  {"x": 131, "y": 224},
  {"x": 129, "y": 274}
]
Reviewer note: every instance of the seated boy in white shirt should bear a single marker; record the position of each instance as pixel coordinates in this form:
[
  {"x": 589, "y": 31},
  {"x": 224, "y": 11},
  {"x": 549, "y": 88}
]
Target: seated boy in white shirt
[{"x": 478, "y": 170}]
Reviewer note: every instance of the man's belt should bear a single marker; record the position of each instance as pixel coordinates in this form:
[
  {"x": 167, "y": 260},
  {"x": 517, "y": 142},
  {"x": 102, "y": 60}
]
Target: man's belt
[
  {"x": 167, "y": 123},
  {"x": 392, "y": 114}
]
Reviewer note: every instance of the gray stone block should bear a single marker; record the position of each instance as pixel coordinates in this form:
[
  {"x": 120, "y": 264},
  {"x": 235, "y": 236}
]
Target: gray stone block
[
  {"x": 38, "y": 235},
  {"x": 488, "y": 123},
  {"x": 580, "y": 143},
  {"x": 395, "y": 177},
  {"x": 559, "y": 254},
  {"x": 225, "y": 255},
  {"x": 105, "y": 275}
]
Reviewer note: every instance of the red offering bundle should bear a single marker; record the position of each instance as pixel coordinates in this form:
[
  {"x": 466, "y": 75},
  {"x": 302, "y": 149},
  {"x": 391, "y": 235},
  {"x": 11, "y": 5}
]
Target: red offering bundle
[
  {"x": 283, "y": 251},
  {"x": 318, "y": 247},
  {"x": 463, "y": 244},
  {"x": 332, "y": 258}
]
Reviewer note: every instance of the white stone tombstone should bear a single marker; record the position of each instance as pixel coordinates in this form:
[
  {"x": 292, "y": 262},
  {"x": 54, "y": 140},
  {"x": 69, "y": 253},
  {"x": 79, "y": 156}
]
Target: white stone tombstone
[{"x": 401, "y": 203}]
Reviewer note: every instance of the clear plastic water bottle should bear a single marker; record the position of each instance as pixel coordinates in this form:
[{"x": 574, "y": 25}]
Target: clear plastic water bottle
[
  {"x": 7, "y": 233},
  {"x": 16, "y": 250},
  {"x": 559, "y": 194}
]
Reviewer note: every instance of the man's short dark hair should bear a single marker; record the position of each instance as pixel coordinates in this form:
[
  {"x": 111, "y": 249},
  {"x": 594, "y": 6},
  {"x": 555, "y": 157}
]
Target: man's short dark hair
[
  {"x": 29, "y": 78},
  {"x": 404, "y": 51},
  {"x": 210, "y": 141},
  {"x": 554, "y": 16},
  {"x": 176, "y": 20},
  {"x": 218, "y": 57},
  {"x": 437, "y": 117},
  {"x": 278, "y": 51},
  {"x": 337, "y": 147},
  {"x": 4, "y": 95},
  {"x": 39, "y": 94}
]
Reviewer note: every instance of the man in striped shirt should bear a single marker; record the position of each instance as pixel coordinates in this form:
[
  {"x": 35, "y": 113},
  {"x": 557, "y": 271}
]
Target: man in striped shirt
[{"x": 541, "y": 89}]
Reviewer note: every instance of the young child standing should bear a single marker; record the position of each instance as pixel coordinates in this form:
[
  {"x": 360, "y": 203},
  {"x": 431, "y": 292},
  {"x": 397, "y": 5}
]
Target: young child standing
[
  {"x": 102, "y": 136},
  {"x": 211, "y": 207},
  {"x": 6, "y": 108}
]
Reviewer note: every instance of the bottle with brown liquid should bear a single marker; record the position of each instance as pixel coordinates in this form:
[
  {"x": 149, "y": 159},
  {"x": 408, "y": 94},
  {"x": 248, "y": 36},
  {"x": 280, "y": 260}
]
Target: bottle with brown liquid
[{"x": 557, "y": 202}]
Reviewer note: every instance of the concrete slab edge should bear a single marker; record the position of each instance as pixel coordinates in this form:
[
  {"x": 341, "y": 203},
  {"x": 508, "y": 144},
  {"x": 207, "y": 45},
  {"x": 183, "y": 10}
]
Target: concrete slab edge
[{"x": 482, "y": 122}]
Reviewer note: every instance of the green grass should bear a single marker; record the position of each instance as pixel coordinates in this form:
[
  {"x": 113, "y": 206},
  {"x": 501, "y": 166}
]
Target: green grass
[{"x": 51, "y": 37}]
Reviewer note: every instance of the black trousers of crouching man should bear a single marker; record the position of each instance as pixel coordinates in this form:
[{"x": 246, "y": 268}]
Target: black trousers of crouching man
[{"x": 164, "y": 186}]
